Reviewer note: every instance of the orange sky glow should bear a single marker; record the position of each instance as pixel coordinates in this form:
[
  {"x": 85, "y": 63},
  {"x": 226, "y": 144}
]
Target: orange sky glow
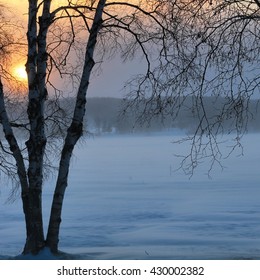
[{"x": 19, "y": 8}]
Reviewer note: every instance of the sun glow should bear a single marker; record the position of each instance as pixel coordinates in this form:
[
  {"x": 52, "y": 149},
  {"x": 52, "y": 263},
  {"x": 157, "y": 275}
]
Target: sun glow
[{"x": 20, "y": 73}]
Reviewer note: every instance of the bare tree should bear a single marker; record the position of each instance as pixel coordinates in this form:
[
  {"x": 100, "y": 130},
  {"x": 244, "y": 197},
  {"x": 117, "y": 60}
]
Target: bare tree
[
  {"x": 54, "y": 42},
  {"x": 190, "y": 48}
]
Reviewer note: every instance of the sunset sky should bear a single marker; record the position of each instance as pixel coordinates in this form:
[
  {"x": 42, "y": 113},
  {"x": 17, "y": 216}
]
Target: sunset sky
[{"x": 107, "y": 82}]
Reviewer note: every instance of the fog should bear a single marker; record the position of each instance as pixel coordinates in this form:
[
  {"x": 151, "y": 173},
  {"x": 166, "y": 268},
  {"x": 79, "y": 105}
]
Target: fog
[
  {"x": 126, "y": 200},
  {"x": 104, "y": 115}
]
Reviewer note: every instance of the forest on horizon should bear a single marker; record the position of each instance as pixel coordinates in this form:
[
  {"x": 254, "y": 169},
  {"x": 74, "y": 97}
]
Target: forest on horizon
[{"x": 106, "y": 115}]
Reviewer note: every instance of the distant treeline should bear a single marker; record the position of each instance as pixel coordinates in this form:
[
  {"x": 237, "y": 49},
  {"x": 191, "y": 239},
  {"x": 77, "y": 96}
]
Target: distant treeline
[{"x": 105, "y": 115}]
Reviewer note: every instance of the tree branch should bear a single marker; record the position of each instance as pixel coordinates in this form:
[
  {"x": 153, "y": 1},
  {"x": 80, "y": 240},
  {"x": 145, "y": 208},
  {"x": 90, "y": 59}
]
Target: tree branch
[
  {"x": 257, "y": 3},
  {"x": 14, "y": 147}
]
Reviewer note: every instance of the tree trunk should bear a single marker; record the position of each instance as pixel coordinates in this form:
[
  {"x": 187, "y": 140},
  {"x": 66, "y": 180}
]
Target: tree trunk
[
  {"x": 21, "y": 170},
  {"x": 36, "y": 69},
  {"x": 73, "y": 134}
]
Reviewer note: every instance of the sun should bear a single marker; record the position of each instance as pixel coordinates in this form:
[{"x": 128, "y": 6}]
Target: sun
[{"x": 20, "y": 73}]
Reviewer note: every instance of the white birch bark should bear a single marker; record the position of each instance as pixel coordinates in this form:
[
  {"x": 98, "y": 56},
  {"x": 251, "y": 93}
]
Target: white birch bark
[
  {"x": 36, "y": 69},
  {"x": 74, "y": 132}
]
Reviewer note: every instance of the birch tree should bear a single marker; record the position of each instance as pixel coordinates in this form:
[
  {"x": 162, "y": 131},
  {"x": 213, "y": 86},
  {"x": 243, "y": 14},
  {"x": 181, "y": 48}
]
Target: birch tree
[
  {"x": 189, "y": 48},
  {"x": 54, "y": 36}
]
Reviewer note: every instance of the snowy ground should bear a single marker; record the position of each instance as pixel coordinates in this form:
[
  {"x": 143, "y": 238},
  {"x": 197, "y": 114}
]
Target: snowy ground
[{"x": 125, "y": 202}]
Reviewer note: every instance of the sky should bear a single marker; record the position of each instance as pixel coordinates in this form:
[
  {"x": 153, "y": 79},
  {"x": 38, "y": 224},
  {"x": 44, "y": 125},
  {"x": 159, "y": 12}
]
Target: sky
[{"x": 109, "y": 82}]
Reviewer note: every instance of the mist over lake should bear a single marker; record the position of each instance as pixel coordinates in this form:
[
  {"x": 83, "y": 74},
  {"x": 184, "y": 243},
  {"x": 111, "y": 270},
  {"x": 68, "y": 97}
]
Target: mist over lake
[{"x": 125, "y": 200}]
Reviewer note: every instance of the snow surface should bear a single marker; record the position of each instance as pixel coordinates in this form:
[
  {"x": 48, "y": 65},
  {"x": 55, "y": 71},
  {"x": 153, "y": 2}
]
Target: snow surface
[{"x": 124, "y": 201}]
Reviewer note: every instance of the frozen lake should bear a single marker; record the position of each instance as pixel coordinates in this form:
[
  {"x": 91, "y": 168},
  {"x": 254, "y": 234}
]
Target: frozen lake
[{"x": 125, "y": 202}]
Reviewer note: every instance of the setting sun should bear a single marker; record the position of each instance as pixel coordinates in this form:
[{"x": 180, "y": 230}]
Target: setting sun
[{"x": 20, "y": 73}]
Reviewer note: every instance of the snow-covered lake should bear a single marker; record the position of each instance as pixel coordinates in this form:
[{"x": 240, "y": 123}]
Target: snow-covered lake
[{"x": 125, "y": 202}]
